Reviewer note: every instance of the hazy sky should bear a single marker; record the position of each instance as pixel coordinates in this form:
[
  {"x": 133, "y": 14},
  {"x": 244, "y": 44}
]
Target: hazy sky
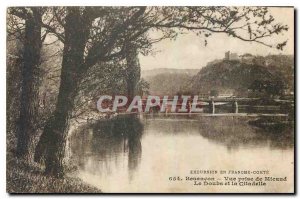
[{"x": 188, "y": 51}]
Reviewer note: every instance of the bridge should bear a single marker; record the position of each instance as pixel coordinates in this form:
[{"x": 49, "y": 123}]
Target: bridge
[
  {"x": 213, "y": 102},
  {"x": 235, "y": 102}
]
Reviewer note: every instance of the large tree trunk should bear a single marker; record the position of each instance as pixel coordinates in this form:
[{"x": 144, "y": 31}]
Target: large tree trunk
[
  {"x": 133, "y": 71},
  {"x": 53, "y": 139},
  {"x": 29, "y": 87}
]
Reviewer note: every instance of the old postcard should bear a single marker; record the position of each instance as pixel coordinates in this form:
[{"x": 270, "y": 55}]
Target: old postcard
[{"x": 188, "y": 99}]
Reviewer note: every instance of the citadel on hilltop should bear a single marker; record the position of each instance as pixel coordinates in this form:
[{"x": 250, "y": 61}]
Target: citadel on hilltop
[
  {"x": 245, "y": 58},
  {"x": 248, "y": 58},
  {"x": 231, "y": 56}
]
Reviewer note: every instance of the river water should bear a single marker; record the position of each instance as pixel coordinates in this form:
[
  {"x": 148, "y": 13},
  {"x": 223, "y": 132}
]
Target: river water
[{"x": 140, "y": 154}]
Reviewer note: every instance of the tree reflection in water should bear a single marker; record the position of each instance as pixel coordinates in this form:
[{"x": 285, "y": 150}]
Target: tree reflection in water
[
  {"x": 235, "y": 132},
  {"x": 232, "y": 131},
  {"x": 107, "y": 141}
]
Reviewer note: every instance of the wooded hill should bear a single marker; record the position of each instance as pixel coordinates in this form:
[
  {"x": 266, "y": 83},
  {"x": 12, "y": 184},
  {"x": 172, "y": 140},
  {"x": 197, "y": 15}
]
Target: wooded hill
[
  {"x": 225, "y": 76},
  {"x": 237, "y": 76}
]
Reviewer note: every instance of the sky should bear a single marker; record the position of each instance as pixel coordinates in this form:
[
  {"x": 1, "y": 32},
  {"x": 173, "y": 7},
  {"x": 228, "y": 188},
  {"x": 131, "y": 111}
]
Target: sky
[{"x": 188, "y": 51}]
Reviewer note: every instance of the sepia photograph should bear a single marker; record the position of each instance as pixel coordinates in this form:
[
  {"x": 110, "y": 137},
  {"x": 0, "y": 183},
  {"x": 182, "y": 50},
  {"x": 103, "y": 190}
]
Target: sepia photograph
[{"x": 150, "y": 99}]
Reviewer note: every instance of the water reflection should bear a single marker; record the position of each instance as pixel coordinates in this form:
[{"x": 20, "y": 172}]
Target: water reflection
[
  {"x": 134, "y": 154},
  {"x": 96, "y": 147},
  {"x": 121, "y": 153},
  {"x": 235, "y": 132}
]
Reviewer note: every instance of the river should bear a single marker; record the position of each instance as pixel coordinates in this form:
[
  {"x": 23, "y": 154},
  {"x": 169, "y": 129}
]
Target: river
[{"x": 140, "y": 153}]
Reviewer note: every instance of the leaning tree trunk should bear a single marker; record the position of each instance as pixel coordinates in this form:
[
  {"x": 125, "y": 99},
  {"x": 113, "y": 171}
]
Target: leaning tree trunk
[
  {"x": 53, "y": 139},
  {"x": 29, "y": 86},
  {"x": 133, "y": 71}
]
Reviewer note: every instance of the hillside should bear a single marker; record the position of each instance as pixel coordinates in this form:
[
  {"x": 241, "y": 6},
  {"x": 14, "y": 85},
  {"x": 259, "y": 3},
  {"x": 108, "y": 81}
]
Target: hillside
[
  {"x": 168, "y": 84},
  {"x": 168, "y": 81},
  {"x": 236, "y": 76},
  {"x": 224, "y": 76},
  {"x": 153, "y": 72}
]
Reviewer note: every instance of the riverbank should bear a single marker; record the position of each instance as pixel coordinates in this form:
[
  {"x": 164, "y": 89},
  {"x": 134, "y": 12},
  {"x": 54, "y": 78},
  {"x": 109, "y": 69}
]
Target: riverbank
[{"x": 22, "y": 177}]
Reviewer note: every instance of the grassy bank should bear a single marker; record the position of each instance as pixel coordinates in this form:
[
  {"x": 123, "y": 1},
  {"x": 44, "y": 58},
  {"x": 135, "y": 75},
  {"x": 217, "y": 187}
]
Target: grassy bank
[{"x": 22, "y": 177}]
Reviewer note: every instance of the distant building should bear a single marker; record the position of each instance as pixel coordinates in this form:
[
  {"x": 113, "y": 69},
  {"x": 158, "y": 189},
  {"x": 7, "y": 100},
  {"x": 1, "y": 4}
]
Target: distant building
[
  {"x": 247, "y": 58},
  {"x": 227, "y": 55},
  {"x": 231, "y": 56}
]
